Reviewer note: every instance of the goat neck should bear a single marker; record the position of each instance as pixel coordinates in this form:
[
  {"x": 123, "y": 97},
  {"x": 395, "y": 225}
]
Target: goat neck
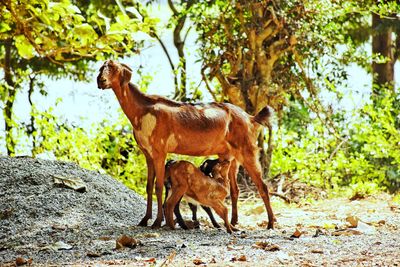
[{"x": 133, "y": 102}]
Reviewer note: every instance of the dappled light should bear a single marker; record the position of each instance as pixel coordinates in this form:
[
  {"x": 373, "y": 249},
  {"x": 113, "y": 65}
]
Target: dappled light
[{"x": 300, "y": 98}]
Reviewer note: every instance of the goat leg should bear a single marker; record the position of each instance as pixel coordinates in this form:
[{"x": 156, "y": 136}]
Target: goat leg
[
  {"x": 256, "y": 177},
  {"x": 159, "y": 164},
  {"x": 233, "y": 171},
  {"x": 211, "y": 215},
  {"x": 193, "y": 208},
  {"x": 149, "y": 190},
  {"x": 178, "y": 216}
]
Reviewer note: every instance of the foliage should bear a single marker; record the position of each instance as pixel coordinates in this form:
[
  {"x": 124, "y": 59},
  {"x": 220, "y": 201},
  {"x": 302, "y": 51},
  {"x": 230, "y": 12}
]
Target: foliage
[
  {"x": 367, "y": 158},
  {"x": 290, "y": 54},
  {"x": 60, "y": 31},
  {"x": 107, "y": 147}
]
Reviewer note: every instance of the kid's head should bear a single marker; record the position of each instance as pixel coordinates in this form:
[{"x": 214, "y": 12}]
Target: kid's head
[{"x": 221, "y": 169}]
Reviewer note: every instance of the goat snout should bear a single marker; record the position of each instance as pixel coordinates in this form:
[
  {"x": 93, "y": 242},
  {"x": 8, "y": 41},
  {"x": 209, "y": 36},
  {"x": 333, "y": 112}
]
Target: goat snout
[{"x": 101, "y": 82}]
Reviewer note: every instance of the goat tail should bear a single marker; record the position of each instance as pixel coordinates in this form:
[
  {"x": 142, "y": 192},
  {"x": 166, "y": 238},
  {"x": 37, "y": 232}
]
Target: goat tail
[{"x": 263, "y": 117}]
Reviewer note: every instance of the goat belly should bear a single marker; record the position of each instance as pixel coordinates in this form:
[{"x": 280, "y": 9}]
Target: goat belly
[
  {"x": 200, "y": 146},
  {"x": 191, "y": 200}
]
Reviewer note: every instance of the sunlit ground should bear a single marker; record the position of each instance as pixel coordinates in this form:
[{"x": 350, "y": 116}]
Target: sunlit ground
[{"x": 327, "y": 214}]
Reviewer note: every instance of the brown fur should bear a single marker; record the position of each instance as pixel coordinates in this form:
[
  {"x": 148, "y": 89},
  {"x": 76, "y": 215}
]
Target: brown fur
[
  {"x": 162, "y": 126},
  {"x": 191, "y": 182}
]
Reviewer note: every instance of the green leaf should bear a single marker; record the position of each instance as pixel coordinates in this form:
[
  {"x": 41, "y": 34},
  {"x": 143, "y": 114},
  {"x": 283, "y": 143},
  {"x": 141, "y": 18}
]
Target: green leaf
[{"x": 25, "y": 49}]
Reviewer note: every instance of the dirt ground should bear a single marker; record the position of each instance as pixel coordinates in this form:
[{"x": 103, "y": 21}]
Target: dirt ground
[{"x": 45, "y": 222}]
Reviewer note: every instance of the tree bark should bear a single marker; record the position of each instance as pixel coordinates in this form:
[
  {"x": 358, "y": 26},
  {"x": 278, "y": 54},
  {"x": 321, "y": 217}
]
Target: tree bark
[
  {"x": 9, "y": 102},
  {"x": 382, "y": 44},
  {"x": 181, "y": 88},
  {"x": 31, "y": 129}
]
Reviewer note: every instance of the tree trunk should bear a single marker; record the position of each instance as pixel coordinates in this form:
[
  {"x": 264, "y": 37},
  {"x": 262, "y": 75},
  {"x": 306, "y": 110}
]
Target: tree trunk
[
  {"x": 31, "y": 129},
  {"x": 9, "y": 102},
  {"x": 179, "y": 42},
  {"x": 382, "y": 44}
]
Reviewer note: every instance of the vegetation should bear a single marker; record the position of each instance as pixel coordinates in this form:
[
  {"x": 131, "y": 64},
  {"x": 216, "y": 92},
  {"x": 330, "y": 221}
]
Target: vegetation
[{"x": 293, "y": 55}]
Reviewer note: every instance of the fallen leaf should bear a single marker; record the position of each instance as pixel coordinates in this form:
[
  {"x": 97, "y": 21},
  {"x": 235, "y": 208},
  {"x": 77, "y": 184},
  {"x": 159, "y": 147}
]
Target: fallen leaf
[
  {"x": 329, "y": 226},
  {"x": 150, "y": 260},
  {"x": 126, "y": 241},
  {"x": 317, "y": 251},
  {"x": 60, "y": 245},
  {"x": 353, "y": 221},
  {"x": 74, "y": 183},
  {"x": 241, "y": 258},
  {"x": 272, "y": 247},
  {"x": 266, "y": 246},
  {"x": 198, "y": 261},
  {"x": 346, "y": 232},
  {"x": 262, "y": 224},
  {"x": 20, "y": 261},
  {"x": 59, "y": 227},
  {"x": 319, "y": 232},
  {"x": 296, "y": 234},
  {"x": 394, "y": 208},
  {"x": 151, "y": 235},
  {"x": 93, "y": 254}
]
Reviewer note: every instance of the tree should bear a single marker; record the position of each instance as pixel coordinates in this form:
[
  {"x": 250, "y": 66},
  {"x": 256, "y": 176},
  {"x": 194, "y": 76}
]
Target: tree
[
  {"x": 181, "y": 10},
  {"x": 56, "y": 39},
  {"x": 246, "y": 46},
  {"x": 384, "y": 46}
]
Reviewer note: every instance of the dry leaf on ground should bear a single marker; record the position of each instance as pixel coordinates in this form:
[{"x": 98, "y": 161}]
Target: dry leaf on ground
[
  {"x": 353, "y": 221},
  {"x": 198, "y": 261},
  {"x": 21, "y": 261},
  {"x": 126, "y": 241},
  {"x": 240, "y": 258},
  {"x": 297, "y": 233},
  {"x": 346, "y": 232},
  {"x": 266, "y": 246},
  {"x": 74, "y": 183}
]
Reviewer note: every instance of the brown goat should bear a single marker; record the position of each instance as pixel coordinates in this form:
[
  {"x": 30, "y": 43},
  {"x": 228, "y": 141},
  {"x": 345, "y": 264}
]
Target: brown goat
[
  {"x": 207, "y": 168},
  {"x": 162, "y": 126},
  {"x": 189, "y": 181}
]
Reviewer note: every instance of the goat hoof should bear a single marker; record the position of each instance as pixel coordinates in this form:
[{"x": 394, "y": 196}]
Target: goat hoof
[
  {"x": 143, "y": 222},
  {"x": 234, "y": 222},
  {"x": 156, "y": 224},
  {"x": 216, "y": 225},
  {"x": 235, "y": 229},
  {"x": 270, "y": 225}
]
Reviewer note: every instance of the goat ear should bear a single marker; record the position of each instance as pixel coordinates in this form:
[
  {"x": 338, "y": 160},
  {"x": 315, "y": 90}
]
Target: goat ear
[{"x": 125, "y": 76}]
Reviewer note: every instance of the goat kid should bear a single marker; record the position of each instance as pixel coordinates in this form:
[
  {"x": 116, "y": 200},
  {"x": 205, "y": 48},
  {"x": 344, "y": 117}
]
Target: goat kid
[
  {"x": 187, "y": 180},
  {"x": 162, "y": 126},
  {"x": 207, "y": 168}
]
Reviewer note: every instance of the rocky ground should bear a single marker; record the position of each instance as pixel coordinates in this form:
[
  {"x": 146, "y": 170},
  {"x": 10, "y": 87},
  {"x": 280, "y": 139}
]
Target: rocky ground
[{"x": 55, "y": 213}]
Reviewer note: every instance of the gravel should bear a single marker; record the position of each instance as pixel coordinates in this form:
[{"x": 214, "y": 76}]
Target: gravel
[
  {"x": 35, "y": 213},
  {"x": 45, "y": 224}
]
